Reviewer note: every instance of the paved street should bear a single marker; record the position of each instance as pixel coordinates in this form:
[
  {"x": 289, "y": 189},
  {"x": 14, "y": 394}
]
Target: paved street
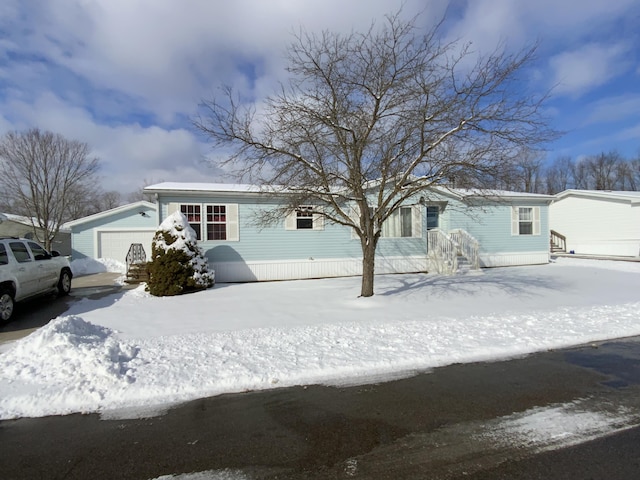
[
  {"x": 434, "y": 425},
  {"x": 425, "y": 426}
]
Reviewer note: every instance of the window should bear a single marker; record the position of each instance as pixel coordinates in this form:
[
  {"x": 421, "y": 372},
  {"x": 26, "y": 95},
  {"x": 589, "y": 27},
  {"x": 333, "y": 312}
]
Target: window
[
  {"x": 305, "y": 217},
  {"x": 433, "y": 217},
  {"x": 216, "y": 222},
  {"x": 403, "y": 222},
  {"x": 194, "y": 217},
  {"x": 39, "y": 253},
  {"x": 4, "y": 259},
  {"x": 211, "y": 222},
  {"x": 20, "y": 251},
  {"x": 525, "y": 221}
]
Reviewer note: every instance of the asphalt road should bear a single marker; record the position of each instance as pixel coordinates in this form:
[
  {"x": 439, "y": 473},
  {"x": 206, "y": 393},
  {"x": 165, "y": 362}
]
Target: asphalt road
[
  {"x": 422, "y": 427},
  {"x": 413, "y": 428}
]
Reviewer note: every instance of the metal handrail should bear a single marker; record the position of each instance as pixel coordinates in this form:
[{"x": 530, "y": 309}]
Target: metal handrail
[{"x": 136, "y": 254}]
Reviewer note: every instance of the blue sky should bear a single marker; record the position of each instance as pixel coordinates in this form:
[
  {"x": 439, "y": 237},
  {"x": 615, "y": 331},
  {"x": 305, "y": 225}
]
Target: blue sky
[{"x": 126, "y": 75}]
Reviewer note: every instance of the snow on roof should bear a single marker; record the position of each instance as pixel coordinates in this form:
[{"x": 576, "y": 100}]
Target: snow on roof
[
  {"x": 106, "y": 213},
  {"x": 203, "y": 187},
  {"x": 27, "y": 221},
  {"x": 633, "y": 197},
  {"x": 249, "y": 188},
  {"x": 492, "y": 193}
]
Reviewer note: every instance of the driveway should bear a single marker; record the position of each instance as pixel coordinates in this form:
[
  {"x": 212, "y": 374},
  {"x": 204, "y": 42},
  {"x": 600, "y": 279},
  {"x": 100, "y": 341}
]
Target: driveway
[{"x": 31, "y": 315}]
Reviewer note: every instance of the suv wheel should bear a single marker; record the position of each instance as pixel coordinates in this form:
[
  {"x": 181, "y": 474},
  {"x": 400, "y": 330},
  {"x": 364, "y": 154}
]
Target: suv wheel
[
  {"x": 64, "y": 284},
  {"x": 6, "y": 305}
]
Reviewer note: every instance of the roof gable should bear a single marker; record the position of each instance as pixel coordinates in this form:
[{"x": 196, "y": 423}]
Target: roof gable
[{"x": 108, "y": 213}]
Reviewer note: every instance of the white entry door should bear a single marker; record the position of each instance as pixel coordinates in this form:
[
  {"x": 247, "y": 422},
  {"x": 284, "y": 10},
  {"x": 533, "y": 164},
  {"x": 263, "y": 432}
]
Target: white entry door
[{"x": 115, "y": 244}]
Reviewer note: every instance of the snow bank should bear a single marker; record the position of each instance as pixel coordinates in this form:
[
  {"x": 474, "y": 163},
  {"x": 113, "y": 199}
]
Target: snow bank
[
  {"x": 141, "y": 352},
  {"x": 88, "y": 266}
]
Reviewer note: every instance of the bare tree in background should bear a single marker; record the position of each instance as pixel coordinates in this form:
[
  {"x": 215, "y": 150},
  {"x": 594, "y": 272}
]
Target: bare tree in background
[
  {"x": 602, "y": 170},
  {"x": 370, "y": 120},
  {"x": 559, "y": 176},
  {"x": 138, "y": 195},
  {"x": 43, "y": 173},
  {"x": 89, "y": 200},
  {"x": 527, "y": 171}
]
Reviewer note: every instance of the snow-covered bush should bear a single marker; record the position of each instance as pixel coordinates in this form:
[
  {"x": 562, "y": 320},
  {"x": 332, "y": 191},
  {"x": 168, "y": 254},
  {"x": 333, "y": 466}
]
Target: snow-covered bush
[{"x": 178, "y": 264}]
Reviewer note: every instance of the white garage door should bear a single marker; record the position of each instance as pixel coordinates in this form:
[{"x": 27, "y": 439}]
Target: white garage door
[{"x": 115, "y": 244}]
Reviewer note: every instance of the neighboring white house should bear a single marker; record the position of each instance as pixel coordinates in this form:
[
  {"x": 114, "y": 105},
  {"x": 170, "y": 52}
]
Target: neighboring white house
[
  {"x": 598, "y": 222},
  {"x": 25, "y": 227},
  {"x": 109, "y": 234}
]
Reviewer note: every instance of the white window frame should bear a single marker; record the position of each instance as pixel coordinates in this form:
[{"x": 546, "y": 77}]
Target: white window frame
[
  {"x": 519, "y": 219},
  {"x": 231, "y": 220},
  {"x": 317, "y": 219}
]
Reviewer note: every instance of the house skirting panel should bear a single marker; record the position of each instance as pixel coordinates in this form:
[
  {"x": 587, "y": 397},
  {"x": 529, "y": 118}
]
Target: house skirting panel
[
  {"x": 622, "y": 248},
  {"x": 311, "y": 268},
  {"x": 513, "y": 258}
]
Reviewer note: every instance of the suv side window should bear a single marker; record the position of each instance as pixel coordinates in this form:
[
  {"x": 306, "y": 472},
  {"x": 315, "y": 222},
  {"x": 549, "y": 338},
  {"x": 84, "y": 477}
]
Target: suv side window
[
  {"x": 4, "y": 258},
  {"x": 39, "y": 253},
  {"x": 20, "y": 251}
]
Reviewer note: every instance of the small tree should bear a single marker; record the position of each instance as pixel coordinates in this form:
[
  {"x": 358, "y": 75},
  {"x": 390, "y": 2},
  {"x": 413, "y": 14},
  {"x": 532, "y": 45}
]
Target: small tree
[{"x": 178, "y": 264}]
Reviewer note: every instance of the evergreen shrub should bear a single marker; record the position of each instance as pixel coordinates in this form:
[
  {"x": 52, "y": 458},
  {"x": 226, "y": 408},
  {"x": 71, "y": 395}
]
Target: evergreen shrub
[{"x": 178, "y": 264}]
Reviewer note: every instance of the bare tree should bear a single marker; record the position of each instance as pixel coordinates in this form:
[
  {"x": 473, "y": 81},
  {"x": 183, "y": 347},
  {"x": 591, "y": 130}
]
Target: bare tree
[
  {"x": 602, "y": 170},
  {"x": 140, "y": 194},
  {"x": 559, "y": 176},
  {"x": 44, "y": 173},
  {"x": 368, "y": 121},
  {"x": 527, "y": 171}
]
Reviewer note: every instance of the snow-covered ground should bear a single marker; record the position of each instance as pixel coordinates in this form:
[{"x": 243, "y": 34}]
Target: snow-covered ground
[{"x": 131, "y": 354}]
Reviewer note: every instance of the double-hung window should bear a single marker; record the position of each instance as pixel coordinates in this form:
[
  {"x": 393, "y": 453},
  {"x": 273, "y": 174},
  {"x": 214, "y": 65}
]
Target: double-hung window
[
  {"x": 210, "y": 221},
  {"x": 216, "y": 222},
  {"x": 305, "y": 217},
  {"x": 525, "y": 221},
  {"x": 194, "y": 217}
]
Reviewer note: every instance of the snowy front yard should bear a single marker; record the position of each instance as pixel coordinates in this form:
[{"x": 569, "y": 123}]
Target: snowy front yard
[{"x": 133, "y": 354}]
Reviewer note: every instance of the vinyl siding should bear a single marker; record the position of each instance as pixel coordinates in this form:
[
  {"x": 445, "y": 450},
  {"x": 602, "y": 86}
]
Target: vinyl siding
[
  {"x": 84, "y": 236},
  {"x": 598, "y": 226},
  {"x": 275, "y": 243},
  {"x": 491, "y": 226}
]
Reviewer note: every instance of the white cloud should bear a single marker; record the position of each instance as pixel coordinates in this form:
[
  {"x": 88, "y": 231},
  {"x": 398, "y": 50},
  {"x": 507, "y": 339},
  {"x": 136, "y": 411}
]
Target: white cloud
[
  {"x": 590, "y": 66},
  {"x": 612, "y": 109},
  {"x": 129, "y": 154},
  {"x": 123, "y": 75}
]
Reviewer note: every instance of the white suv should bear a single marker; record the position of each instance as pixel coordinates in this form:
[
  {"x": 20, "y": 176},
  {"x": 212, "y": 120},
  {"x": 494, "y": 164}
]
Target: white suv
[{"x": 27, "y": 270}]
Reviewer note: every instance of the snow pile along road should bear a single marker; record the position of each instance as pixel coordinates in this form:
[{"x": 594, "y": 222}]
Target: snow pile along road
[{"x": 136, "y": 353}]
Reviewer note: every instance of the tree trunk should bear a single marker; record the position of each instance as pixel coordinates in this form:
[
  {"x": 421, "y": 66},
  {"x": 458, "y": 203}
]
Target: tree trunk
[{"x": 368, "y": 268}]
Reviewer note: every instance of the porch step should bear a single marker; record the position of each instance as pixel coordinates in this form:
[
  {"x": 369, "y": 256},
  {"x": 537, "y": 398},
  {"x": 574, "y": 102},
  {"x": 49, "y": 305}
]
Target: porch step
[{"x": 137, "y": 273}]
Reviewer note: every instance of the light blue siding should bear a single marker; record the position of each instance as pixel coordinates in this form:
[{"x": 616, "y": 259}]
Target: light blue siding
[
  {"x": 274, "y": 242},
  {"x": 491, "y": 226},
  {"x": 489, "y": 222},
  {"x": 83, "y": 235}
]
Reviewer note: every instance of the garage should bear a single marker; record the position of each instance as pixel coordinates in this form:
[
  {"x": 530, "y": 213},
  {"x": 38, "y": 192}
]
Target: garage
[
  {"x": 116, "y": 244},
  {"x": 109, "y": 234}
]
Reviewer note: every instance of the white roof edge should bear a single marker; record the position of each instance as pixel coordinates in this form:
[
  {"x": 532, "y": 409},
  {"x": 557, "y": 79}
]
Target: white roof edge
[
  {"x": 502, "y": 194},
  {"x": 106, "y": 213},
  {"x": 629, "y": 196},
  {"x": 204, "y": 187}
]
